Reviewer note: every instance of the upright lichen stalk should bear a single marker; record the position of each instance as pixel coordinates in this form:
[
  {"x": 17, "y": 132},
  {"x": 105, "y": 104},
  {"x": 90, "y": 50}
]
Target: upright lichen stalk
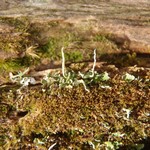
[
  {"x": 63, "y": 62},
  {"x": 94, "y": 64}
]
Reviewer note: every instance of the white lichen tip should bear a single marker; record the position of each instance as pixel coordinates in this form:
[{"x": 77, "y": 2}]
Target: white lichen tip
[
  {"x": 128, "y": 112},
  {"x": 52, "y": 146},
  {"x": 63, "y": 61},
  {"x": 94, "y": 64}
]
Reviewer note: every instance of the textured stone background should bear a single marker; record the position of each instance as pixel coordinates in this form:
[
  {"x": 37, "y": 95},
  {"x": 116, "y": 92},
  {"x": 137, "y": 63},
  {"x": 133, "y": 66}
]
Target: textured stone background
[{"x": 125, "y": 18}]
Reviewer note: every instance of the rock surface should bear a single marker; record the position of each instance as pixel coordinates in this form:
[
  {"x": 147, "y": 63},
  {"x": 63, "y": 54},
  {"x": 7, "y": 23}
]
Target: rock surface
[{"x": 126, "y": 19}]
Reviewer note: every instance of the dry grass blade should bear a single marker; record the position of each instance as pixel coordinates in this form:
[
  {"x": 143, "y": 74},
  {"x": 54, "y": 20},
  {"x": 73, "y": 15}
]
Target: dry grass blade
[{"x": 30, "y": 51}]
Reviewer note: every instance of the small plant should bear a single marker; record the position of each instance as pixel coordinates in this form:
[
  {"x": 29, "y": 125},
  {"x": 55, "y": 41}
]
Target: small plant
[
  {"x": 30, "y": 51},
  {"x": 18, "y": 77},
  {"x": 22, "y": 79},
  {"x": 128, "y": 77},
  {"x": 112, "y": 145},
  {"x": 69, "y": 79}
]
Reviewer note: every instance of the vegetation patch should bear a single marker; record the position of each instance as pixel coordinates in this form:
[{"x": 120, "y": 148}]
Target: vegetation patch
[
  {"x": 24, "y": 43},
  {"x": 116, "y": 117},
  {"x": 99, "y": 107},
  {"x": 103, "y": 111}
]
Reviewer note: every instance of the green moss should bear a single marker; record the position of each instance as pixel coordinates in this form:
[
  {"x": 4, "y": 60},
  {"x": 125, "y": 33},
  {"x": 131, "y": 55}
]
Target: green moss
[
  {"x": 49, "y": 49},
  {"x": 72, "y": 118},
  {"x": 20, "y": 36},
  {"x": 75, "y": 56},
  {"x": 100, "y": 38},
  {"x": 54, "y": 23},
  {"x": 52, "y": 47},
  {"x": 15, "y": 64},
  {"x": 7, "y": 66},
  {"x": 20, "y": 24}
]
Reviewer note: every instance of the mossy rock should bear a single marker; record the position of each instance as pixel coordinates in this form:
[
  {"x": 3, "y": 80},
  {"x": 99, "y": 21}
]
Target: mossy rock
[{"x": 77, "y": 119}]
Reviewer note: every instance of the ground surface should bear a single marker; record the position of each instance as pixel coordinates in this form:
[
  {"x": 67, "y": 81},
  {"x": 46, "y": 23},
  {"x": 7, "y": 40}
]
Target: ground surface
[
  {"x": 115, "y": 114},
  {"x": 116, "y": 117},
  {"x": 127, "y": 19}
]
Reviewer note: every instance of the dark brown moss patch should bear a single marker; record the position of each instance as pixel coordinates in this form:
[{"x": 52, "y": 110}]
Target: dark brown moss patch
[{"x": 74, "y": 118}]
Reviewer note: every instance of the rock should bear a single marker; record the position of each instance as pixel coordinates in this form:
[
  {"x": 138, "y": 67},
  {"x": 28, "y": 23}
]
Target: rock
[
  {"x": 127, "y": 20},
  {"x": 3, "y": 5}
]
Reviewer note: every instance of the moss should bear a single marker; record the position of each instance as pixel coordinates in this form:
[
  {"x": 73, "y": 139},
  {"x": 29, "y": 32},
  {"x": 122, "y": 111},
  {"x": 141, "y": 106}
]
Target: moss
[
  {"x": 75, "y": 118},
  {"x": 16, "y": 37},
  {"x": 71, "y": 118},
  {"x": 14, "y": 45},
  {"x": 75, "y": 56},
  {"x": 100, "y": 38},
  {"x": 47, "y": 39},
  {"x": 18, "y": 23}
]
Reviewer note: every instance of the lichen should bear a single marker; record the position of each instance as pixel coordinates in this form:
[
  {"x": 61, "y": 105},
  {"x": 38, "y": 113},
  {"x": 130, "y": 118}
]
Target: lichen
[{"x": 76, "y": 118}]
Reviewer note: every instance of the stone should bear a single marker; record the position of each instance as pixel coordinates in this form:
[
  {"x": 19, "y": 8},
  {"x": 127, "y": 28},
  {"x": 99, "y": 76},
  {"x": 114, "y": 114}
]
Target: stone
[{"x": 127, "y": 20}]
